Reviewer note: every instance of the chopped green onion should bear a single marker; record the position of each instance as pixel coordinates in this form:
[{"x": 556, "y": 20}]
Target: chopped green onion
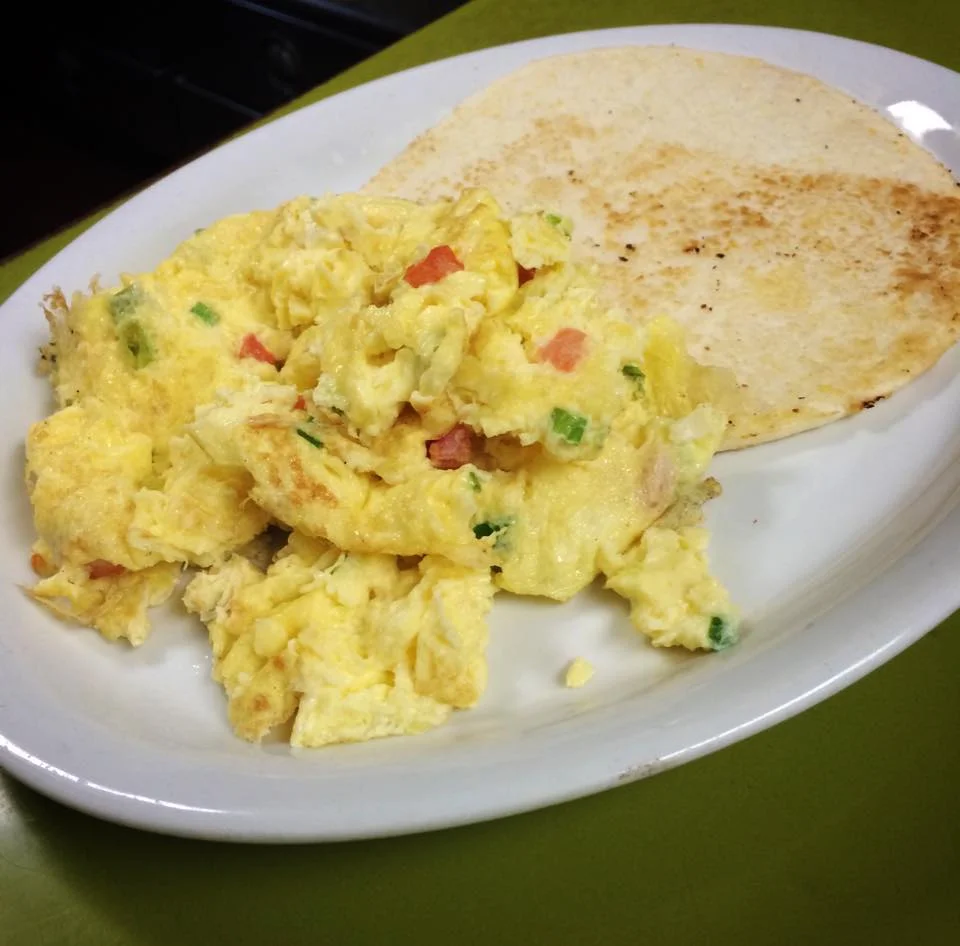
[
  {"x": 635, "y": 374},
  {"x": 338, "y": 412},
  {"x": 123, "y": 303},
  {"x": 474, "y": 481},
  {"x": 309, "y": 438},
  {"x": 491, "y": 527},
  {"x": 568, "y": 425},
  {"x": 558, "y": 222},
  {"x": 721, "y": 633},
  {"x": 203, "y": 312},
  {"x": 132, "y": 335}
]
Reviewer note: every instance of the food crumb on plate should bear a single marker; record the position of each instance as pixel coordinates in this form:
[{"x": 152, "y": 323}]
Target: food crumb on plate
[{"x": 578, "y": 672}]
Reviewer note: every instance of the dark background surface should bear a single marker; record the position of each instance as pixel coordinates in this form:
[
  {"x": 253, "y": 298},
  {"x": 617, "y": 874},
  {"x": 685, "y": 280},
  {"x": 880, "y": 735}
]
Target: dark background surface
[{"x": 97, "y": 104}]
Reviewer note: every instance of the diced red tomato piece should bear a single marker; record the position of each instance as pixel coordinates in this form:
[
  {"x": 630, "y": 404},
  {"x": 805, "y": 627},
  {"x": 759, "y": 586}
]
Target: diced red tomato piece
[
  {"x": 103, "y": 569},
  {"x": 524, "y": 275},
  {"x": 453, "y": 449},
  {"x": 252, "y": 347},
  {"x": 441, "y": 261},
  {"x": 565, "y": 350},
  {"x": 300, "y": 404},
  {"x": 40, "y": 565}
]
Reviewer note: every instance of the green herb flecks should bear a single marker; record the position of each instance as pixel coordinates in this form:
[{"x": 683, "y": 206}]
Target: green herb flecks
[
  {"x": 124, "y": 303},
  {"x": 203, "y": 312},
  {"x": 137, "y": 342},
  {"x": 568, "y": 425},
  {"x": 492, "y": 527},
  {"x": 313, "y": 441},
  {"x": 722, "y": 632},
  {"x": 559, "y": 222},
  {"x": 634, "y": 373},
  {"x": 474, "y": 481}
]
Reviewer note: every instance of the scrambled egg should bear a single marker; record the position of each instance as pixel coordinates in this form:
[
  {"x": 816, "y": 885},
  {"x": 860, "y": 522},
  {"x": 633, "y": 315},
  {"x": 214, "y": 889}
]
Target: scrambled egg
[
  {"x": 430, "y": 401},
  {"x": 348, "y": 646}
]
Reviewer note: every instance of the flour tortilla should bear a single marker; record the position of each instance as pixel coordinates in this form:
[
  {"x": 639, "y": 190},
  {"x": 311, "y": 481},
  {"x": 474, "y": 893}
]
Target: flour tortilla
[{"x": 801, "y": 238}]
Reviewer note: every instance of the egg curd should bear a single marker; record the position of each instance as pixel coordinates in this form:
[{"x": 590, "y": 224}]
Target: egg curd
[{"x": 432, "y": 404}]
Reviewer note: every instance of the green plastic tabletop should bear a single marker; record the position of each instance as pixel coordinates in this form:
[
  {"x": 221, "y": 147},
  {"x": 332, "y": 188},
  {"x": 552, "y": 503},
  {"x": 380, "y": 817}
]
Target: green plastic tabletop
[{"x": 837, "y": 826}]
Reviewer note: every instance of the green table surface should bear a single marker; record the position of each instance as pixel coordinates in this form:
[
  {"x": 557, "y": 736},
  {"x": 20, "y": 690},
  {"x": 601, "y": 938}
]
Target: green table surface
[{"x": 838, "y": 826}]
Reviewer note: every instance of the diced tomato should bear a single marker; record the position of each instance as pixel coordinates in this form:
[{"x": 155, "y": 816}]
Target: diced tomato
[
  {"x": 565, "y": 350},
  {"x": 40, "y": 565},
  {"x": 453, "y": 449},
  {"x": 300, "y": 404},
  {"x": 252, "y": 347},
  {"x": 103, "y": 569},
  {"x": 524, "y": 275},
  {"x": 441, "y": 261}
]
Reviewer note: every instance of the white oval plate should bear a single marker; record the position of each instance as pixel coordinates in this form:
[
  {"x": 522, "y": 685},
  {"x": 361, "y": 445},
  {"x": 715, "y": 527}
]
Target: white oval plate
[{"x": 841, "y": 545}]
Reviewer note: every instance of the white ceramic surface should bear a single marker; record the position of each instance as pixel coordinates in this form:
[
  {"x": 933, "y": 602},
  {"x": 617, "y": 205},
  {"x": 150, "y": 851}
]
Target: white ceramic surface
[{"x": 842, "y": 545}]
